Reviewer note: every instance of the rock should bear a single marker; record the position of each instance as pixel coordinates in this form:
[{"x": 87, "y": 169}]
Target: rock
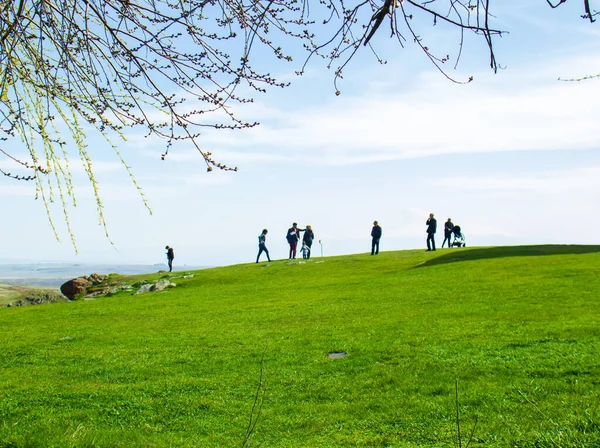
[
  {"x": 158, "y": 286},
  {"x": 73, "y": 289},
  {"x": 162, "y": 284},
  {"x": 97, "y": 278},
  {"x": 144, "y": 288}
]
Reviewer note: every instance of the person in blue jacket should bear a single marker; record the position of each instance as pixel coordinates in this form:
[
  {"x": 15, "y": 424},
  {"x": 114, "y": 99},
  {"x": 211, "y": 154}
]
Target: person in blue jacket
[{"x": 262, "y": 245}]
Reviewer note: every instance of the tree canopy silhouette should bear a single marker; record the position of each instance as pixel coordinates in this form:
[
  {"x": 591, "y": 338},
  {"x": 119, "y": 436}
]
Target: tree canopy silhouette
[{"x": 175, "y": 67}]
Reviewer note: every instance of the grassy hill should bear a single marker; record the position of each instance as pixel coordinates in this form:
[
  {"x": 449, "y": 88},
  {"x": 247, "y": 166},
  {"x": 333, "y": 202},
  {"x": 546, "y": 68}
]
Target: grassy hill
[{"x": 517, "y": 328}]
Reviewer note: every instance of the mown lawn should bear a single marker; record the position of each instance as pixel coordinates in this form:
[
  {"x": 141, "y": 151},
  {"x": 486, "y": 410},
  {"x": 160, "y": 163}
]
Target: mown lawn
[{"x": 517, "y": 328}]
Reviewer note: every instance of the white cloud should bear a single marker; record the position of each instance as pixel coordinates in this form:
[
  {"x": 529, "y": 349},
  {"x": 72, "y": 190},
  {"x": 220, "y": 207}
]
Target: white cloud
[{"x": 526, "y": 110}]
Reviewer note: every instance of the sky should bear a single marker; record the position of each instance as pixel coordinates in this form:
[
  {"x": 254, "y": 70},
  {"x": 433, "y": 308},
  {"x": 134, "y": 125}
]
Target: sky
[{"x": 512, "y": 157}]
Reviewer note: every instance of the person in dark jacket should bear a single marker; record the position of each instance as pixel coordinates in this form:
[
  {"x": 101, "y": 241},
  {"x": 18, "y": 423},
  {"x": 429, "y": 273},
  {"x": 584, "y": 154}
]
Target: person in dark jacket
[
  {"x": 376, "y": 236},
  {"x": 262, "y": 245},
  {"x": 292, "y": 236},
  {"x": 307, "y": 239},
  {"x": 448, "y": 226},
  {"x": 431, "y": 224},
  {"x": 170, "y": 257}
]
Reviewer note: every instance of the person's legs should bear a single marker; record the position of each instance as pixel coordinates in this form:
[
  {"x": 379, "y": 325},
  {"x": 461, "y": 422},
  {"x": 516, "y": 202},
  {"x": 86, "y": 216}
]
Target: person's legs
[
  {"x": 267, "y": 252},
  {"x": 261, "y": 248},
  {"x": 170, "y": 264},
  {"x": 429, "y": 235},
  {"x": 373, "y": 243},
  {"x": 377, "y": 247},
  {"x": 309, "y": 244},
  {"x": 433, "y": 241},
  {"x": 293, "y": 250}
]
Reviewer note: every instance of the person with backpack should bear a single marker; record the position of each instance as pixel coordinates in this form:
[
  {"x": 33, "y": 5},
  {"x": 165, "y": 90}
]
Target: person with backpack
[
  {"x": 170, "y": 257},
  {"x": 262, "y": 247}
]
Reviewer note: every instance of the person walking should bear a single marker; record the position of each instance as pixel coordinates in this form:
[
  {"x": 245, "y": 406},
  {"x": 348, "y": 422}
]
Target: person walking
[
  {"x": 431, "y": 224},
  {"x": 448, "y": 226},
  {"x": 293, "y": 235},
  {"x": 262, "y": 247},
  {"x": 376, "y": 236},
  {"x": 307, "y": 240},
  {"x": 170, "y": 257}
]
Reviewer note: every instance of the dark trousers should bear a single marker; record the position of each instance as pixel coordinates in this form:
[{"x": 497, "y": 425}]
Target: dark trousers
[
  {"x": 262, "y": 248},
  {"x": 447, "y": 237},
  {"x": 375, "y": 246},
  {"x": 431, "y": 238},
  {"x": 170, "y": 260},
  {"x": 293, "y": 249}
]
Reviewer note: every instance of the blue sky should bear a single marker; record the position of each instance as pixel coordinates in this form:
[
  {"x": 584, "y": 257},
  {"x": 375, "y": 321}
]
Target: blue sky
[{"x": 512, "y": 157}]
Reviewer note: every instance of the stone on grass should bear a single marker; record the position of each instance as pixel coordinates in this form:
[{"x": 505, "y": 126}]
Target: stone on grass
[{"x": 73, "y": 289}]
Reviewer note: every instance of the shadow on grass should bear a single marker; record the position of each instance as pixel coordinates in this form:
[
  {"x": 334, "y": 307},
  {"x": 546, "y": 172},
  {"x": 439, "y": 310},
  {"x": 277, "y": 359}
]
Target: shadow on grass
[{"x": 458, "y": 254}]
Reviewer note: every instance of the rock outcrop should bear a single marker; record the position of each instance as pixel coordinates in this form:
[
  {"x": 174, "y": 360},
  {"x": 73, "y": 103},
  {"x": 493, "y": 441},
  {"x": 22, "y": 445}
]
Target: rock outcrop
[
  {"x": 95, "y": 285},
  {"x": 76, "y": 288}
]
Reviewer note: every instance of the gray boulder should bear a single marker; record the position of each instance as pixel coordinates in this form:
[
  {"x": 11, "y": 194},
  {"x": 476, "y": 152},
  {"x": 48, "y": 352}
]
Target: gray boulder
[{"x": 158, "y": 286}]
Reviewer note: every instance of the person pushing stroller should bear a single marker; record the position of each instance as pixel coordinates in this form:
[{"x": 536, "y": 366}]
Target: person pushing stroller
[{"x": 448, "y": 227}]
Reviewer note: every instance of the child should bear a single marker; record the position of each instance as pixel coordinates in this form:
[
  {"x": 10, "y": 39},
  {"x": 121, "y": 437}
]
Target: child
[{"x": 305, "y": 250}]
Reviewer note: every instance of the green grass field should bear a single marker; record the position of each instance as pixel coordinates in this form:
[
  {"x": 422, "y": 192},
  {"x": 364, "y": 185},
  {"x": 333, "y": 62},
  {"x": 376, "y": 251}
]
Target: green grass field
[{"x": 516, "y": 327}]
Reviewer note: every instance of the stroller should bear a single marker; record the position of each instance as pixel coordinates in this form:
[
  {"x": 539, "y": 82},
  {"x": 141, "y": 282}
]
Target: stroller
[{"x": 458, "y": 238}]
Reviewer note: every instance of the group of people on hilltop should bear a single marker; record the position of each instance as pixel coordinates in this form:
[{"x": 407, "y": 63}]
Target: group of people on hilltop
[
  {"x": 292, "y": 237},
  {"x": 431, "y": 224},
  {"x": 431, "y": 229}
]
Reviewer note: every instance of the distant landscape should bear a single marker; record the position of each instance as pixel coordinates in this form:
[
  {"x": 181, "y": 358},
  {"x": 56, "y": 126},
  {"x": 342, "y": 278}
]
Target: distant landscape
[{"x": 51, "y": 275}]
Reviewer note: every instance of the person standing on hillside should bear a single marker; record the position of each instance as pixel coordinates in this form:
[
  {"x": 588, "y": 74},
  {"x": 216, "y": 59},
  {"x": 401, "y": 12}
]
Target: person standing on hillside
[
  {"x": 307, "y": 240},
  {"x": 262, "y": 245},
  {"x": 292, "y": 236},
  {"x": 376, "y": 236},
  {"x": 170, "y": 257},
  {"x": 431, "y": 224},
  {"x": 448, "y": 226}
]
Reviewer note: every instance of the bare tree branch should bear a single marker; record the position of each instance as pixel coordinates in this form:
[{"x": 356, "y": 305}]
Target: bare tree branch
[{"x": 174, "y": 68}]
